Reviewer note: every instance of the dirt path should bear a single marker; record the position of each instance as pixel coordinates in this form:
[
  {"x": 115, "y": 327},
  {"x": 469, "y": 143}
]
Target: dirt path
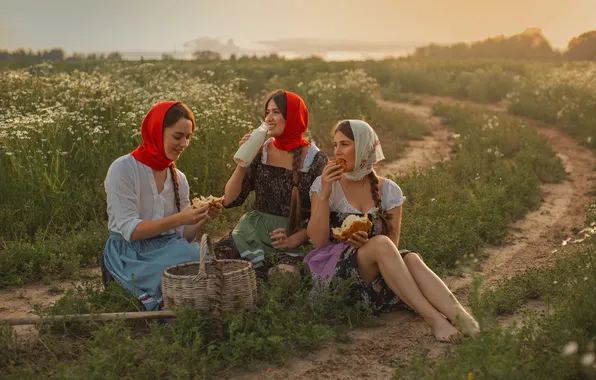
[
  {"x": 19, "y": 302},
  {"x": 421, "y": 154},
  {"x": 376, "y": 352}
]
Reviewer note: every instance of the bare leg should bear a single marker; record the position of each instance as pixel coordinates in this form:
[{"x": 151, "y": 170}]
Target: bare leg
[
  {"x": 379, "y": 255},
  {"x": 439, "y": 295}
]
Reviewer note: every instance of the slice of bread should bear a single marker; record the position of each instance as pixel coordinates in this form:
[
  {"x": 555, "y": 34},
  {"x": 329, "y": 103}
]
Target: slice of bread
[
  {"x": 210, "y": 200},
  {"x": 341, "y": 162},
  {"x": 351, "y": 225}
]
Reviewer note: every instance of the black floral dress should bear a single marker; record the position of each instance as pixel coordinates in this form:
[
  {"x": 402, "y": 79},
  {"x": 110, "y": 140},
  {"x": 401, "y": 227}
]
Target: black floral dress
[{"x": 377, "y": 296}]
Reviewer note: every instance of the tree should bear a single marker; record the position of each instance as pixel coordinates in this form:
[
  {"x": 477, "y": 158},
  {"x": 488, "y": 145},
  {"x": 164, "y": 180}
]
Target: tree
[
  {"x": 55, "y": 54},
  {"x": 206, "y": 55},
  {"x": 115, "y": 56},
  {"x": 76, "y": 57},
  {"x": 582, "y": 47}
]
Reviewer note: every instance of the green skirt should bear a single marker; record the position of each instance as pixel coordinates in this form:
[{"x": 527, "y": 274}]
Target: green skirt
[{"x": 251, "y": 236}]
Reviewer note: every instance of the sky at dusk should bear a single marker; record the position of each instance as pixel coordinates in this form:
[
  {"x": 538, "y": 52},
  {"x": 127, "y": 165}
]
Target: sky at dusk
[{"x": 151, "y": 25}]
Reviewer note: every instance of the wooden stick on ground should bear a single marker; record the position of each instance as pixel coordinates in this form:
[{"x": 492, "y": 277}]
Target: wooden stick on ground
[{"x": 89, "y": 317}]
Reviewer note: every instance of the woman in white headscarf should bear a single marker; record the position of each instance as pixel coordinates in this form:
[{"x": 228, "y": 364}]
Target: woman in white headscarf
[{"x": 385, "y": 275}]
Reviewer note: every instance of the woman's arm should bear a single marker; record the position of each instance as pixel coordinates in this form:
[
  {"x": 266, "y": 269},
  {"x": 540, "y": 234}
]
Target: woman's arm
[
  {"x": 318, "y": 226},
  {"x": 298, "y": 238},
  {"x": 234, "y": 185},
  {"x": 395, "y": 222},
  {"x": 240, "y": 183},
  {"x": 151, "y": 228},
  {"x": 191, "y": 218},
  {"x": 192, "y": 231}
]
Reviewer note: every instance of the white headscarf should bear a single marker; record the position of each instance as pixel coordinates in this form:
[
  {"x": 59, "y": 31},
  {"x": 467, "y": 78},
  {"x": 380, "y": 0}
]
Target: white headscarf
[{"x": 367, "y": 148}]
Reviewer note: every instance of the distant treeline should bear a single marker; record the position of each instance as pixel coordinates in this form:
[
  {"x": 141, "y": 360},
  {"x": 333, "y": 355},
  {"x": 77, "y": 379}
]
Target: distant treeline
[
  {"x": 55, "y": 54},
  {"x": 530, "y": 44}
]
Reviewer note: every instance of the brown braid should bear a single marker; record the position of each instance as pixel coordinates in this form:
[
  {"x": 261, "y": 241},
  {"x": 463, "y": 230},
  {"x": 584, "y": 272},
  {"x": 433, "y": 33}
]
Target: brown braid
[
  {"x": 295, "y": 207},
  {"x": 175, "y": 113},
  {"x": 175, "y": 181},
  {"x": 374, "y": 187}
]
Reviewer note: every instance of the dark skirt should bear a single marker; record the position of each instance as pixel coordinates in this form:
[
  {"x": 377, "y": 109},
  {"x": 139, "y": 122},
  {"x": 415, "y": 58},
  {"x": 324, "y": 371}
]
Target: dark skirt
[{"x": 377, "y": 296}]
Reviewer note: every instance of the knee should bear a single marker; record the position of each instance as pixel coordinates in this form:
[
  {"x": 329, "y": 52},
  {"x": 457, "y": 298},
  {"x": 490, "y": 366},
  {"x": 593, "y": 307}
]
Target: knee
[
  {"x": 381, "y": 241},
  {"x": 412, "y": 258},
  {"x": 381, "y": 246}
]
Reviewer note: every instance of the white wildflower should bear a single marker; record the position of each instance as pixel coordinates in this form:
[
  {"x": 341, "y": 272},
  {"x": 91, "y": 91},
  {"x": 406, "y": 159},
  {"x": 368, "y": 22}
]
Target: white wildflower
[
  {"x": 588, "y": 359},
  {"x": 570, "y": 349}
]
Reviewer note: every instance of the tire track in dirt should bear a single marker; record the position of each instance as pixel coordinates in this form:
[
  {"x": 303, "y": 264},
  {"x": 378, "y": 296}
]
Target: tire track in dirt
[
  {"x": 375, "y": 352},
  {"x": 420, "y": 154},
  {"x": 19, "y": 301},
  {"x": 533, "y": 238}
]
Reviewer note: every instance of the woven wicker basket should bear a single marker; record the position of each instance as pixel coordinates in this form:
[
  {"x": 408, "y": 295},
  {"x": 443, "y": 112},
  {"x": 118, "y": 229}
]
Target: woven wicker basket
[{"x": 227, "y": 284}]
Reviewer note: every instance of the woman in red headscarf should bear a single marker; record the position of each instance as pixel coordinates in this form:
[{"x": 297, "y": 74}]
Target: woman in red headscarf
[
  {"x": 281, "y": 176},
  {"x": 151, "y": 222}
]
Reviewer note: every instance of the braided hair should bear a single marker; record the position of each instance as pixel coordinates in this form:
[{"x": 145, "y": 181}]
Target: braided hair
[
  {"x": 345, "y": 128},
  {"x": 175, "y": 113},
  {"x": 295, "y": 218}
]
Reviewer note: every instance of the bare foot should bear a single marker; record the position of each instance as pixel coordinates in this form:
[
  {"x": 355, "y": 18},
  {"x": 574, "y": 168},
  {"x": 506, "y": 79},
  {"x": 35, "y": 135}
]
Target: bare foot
[
  {"x": 283, "y": 268},
  {"x": 468, "y": 325},
  {"x": 445, "y": 331}
]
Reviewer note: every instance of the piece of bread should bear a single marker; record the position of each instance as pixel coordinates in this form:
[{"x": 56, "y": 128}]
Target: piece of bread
[
  {"x": 341, "y": 162},
  {"x": 351, "y": 225},
  {"x": 210, "y": 200}
]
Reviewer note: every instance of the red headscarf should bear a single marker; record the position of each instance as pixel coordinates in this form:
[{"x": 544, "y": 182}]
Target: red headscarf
[
  {"x": 151, "y": 151},
  {"x": 296, "y": 123}
]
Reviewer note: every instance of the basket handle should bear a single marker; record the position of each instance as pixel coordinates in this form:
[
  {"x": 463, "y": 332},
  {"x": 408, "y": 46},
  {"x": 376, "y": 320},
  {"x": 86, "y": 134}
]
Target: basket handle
[{"x": 206, "y": 246}]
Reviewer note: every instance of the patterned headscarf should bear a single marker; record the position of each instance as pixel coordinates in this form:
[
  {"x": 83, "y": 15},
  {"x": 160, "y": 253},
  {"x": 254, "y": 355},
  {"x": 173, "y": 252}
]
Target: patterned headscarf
[{"x": 368, "y": 150}]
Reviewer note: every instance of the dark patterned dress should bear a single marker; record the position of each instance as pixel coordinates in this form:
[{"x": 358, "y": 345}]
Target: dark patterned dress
[
  {"x": 376, "y": 295},
  {"x": 339, "y": 260}
]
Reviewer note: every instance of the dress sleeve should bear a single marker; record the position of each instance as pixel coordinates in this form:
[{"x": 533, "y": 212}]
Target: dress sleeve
[
  {"x": 315, "y": 187},
  {"x": 392, "y": 195},
  {"x": 319, "y": 163},
  {"x": 184, "y": 189},
  {"x": 122, "y": 199}
]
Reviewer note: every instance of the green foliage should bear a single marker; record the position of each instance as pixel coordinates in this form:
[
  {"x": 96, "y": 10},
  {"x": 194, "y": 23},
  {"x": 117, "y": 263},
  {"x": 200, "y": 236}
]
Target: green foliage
[
  {"x": 536, "y": 350},
  {"x": 493, "y": 179}
]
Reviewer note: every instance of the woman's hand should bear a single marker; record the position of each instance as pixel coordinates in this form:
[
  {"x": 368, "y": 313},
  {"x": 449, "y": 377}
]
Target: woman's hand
[
  {"x": 191, "y": 215},
  {"x": 279, "y": 240},
  {"x": 331, "y": 173},
  {"x": 358, "y": 239},
  {"x": 214, "y": 211},
  {"x": 244, "y": 139}
]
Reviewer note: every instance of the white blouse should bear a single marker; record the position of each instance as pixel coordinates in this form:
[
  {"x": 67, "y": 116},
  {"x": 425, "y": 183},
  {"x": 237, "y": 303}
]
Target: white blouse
[
  {"x": 132, "y": 196},
  {"x": 308, "y": 160},
  {"x": 391, "y": 197}
]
